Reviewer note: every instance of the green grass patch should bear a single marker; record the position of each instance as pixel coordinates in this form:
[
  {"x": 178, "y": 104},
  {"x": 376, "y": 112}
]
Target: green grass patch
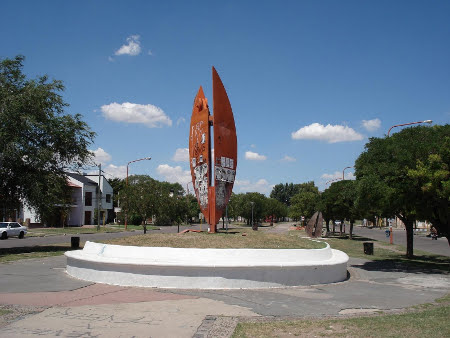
[
  {"x": 391, "y": 257},
  {"x": 4, "y": 312},
  {"x": 430, "y": 321},
  {"x": 14, "y": 254},
  {"x": 235, "y": 238}
]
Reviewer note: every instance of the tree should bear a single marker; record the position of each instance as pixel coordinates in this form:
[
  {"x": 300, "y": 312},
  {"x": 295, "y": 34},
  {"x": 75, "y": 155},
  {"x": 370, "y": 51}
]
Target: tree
[
  {"x": 118, "y": 185},
  {"x": 284, "y": 192},
  {"x": 274, "y": 209},
  {"x": 245, "y": 208},
  {"x": 394, "y": 163},
  {"x": 38, "y": 140},
  {"x": 304, "y": 204},
  {"x": 343, "y": 202}
]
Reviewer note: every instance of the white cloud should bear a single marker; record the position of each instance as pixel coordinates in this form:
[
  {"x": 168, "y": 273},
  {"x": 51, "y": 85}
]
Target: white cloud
[
  {"x": 287, "y": 158},
  {"x": 112, "y": 171},
  {"x": 148, "y": 114},
  {"x": 337, "y": 175},
  {"x": 181, "y": 155},
  {"x": 371, "y": 125},
  {"x": 174, "y": 174},
  {"x": 329, "y": 133},
  {"x": 116, "y": 171},
  {"x": 133, "y": 46},
  {"x": 101, "y": 156},
  {"x": 261, "y": 186},
  {"x": 250, "y": 155}
]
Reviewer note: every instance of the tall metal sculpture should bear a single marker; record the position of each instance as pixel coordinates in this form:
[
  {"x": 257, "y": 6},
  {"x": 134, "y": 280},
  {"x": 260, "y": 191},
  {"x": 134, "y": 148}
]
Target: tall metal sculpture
[{"x": 213, "y": 174}]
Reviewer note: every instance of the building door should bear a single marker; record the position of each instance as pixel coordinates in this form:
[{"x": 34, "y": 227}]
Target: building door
[{"x": 87, "y": 218}]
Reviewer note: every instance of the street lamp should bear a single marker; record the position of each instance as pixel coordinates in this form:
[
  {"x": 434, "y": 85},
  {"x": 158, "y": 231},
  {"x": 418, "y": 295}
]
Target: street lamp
[
  {"x": 252, "y": 203},
  {"x": 343, "y": 172},
  {"x": 140, "y": 159},
  {"x": 333, "y": 180},
  {"x": 407, "y": 124}
]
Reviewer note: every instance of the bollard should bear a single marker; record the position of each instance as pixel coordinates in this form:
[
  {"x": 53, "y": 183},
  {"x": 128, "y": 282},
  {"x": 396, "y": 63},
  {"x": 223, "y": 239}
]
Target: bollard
[
  {"x": 75, "y": 242},
  {"x": 368, "y": 248}
]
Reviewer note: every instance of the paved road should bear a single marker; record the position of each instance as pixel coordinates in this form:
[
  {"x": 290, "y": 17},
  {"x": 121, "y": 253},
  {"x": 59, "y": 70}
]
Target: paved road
[
  {"x": 66, "y": 306},
  {"x": 439, "y": 246},
  {"x": 13, "y": 242},
  {"x": 59, "y": 305}
]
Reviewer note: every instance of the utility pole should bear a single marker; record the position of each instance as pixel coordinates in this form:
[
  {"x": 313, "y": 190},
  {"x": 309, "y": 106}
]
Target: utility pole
[{"x": 99, "y": 196}]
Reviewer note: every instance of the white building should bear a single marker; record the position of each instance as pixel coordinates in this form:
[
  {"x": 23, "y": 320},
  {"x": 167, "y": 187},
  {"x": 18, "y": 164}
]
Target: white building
[{"x": 84, "y": 202}]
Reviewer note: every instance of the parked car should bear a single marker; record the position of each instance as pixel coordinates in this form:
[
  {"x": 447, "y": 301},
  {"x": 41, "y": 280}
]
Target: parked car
[
  {"x": 12, "y": 229},
  {"x": 337, "y": 222}
]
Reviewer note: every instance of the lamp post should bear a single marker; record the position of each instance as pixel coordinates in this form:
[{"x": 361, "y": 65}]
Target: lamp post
[
  {"x": 140, "y": 159},
  {"x": 343, "y": 172},
  {"x": 391, "y": 235},
  {"x": 407, "y": 124},
  {"x": 334, "y": 180},
  {"x": 252, "y": 203}
]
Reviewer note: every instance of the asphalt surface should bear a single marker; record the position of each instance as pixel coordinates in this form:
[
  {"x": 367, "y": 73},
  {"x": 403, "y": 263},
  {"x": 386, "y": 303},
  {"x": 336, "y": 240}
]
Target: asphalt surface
[
  {"x": 59, "y": 305},
  {"x": 421, "y": 242}
]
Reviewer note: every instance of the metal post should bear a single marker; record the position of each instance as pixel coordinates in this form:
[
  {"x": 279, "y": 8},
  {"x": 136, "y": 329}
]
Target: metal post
[
  {"x": 226, "y": 215},
  {"x": 99, "y": 196},
  {"x": 253, "y": 227}
]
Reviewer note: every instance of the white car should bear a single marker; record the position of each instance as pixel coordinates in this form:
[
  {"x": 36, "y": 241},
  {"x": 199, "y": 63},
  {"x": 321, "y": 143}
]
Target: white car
[{"x": 12, "y": 229}]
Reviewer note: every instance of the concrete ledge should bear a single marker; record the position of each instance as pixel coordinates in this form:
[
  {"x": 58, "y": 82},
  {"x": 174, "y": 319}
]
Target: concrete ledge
[{"x": 184, "y": 268}]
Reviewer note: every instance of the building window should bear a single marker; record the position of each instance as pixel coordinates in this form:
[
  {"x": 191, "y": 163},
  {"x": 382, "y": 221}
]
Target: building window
[
  {"x": 108, "y": 198},
  {"x": 88, "y": 199}
]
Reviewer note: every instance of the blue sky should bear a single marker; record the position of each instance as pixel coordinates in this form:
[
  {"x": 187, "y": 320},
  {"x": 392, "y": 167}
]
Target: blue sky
[{"x": 308, "y": 81}]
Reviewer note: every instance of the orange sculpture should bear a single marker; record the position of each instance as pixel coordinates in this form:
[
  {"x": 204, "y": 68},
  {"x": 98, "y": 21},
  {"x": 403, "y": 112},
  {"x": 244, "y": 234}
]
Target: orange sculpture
[{"x": 213, "y": 194}]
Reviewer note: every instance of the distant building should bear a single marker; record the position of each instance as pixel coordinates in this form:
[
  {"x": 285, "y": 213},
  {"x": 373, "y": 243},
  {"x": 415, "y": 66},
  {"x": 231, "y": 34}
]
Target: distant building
[{"x": 83, "y": 203}]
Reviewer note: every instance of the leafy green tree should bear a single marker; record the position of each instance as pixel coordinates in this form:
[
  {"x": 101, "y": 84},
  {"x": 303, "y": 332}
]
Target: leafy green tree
[
  {"x": 118, "y": 185},
  {"x": 343, "y": 202},
  {"x": 274, "y": 209},
  {"x": 325, "y": 205},
  {"x": 284, "y": 192},
  {"x": 395, "y": 164},
  {"x": 304, "y": 204},
  {"x": 245, "y": 208},
  {"x": 38, "y": 140}
]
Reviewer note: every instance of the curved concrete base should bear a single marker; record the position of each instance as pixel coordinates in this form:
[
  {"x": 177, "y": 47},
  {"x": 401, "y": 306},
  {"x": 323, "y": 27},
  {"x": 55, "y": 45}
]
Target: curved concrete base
[{"x": 206, "y": 268}]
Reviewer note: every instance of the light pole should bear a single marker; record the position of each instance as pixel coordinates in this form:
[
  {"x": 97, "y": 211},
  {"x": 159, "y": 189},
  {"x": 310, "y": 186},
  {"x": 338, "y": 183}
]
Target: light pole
[
  {"x": 334, "y": 180},
  {"x": 343, "y": 172},
  {"x": 252, "y": 203},
  {"x": 407, "y": 124},
  {"x": 140, "y": 159}
]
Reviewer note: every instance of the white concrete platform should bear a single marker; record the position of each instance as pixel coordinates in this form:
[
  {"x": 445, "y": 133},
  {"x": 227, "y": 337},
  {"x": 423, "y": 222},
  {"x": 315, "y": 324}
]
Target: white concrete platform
[{"x": 191, "y": 268}]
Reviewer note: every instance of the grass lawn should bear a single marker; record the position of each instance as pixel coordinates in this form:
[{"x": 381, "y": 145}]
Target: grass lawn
[
  {"x": 14, "y": 254},
  {"x": 39, "y": 232},
  {"x": 235, "y": 238},
  {"x": 428, "y": 320}
]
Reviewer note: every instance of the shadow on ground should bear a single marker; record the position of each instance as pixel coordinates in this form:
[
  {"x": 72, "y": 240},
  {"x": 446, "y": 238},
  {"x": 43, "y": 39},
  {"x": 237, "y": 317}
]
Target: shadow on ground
[{"x": 419, "y": 264}]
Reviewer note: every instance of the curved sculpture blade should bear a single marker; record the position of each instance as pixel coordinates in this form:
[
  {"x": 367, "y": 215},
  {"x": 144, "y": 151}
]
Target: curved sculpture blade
[
  {"x": 225, "y": 146},
  {"x": 199, "y": 151}
]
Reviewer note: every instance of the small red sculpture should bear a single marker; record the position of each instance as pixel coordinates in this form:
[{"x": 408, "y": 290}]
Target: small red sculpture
[{"x": 213, "y": 198}]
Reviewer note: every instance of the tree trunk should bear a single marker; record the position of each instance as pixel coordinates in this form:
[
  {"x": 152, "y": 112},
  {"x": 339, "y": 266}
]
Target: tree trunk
[
  {"x": 351, "y": 229},
  {"x": 340, "y": 230},
  {"x": 327, "y": 224},
  {"x": 334, "y": 226},
  {"x": 409, "y": 225}
]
